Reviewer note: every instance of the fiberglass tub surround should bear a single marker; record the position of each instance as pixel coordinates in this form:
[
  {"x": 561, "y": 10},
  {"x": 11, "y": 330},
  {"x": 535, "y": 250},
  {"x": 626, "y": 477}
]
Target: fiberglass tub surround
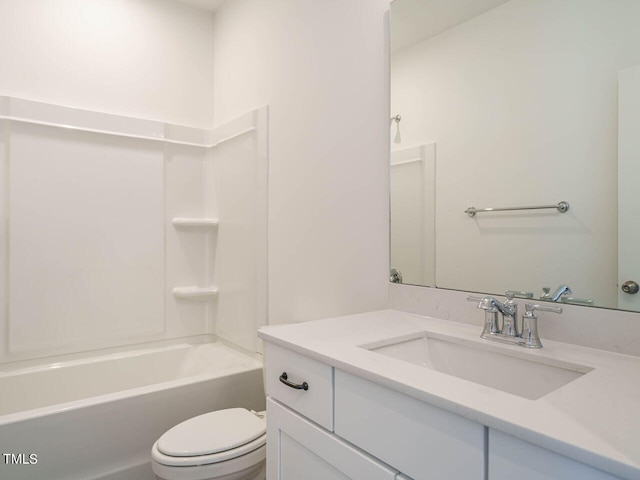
[{"x": 123, "y": 231}]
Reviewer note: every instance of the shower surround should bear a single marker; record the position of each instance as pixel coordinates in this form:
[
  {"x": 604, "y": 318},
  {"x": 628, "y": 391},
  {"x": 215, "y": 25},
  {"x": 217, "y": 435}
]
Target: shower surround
[{"x": 121, "y": 238}]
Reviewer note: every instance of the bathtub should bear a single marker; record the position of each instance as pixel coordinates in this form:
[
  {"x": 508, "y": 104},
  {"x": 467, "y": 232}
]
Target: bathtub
[{"x": 96, "y": 417}]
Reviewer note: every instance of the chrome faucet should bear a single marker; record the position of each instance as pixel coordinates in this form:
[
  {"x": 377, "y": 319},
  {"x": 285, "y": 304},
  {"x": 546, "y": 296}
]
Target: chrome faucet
[
  {"x": 560, "y": 291},
  {"x": 509, "y": 332}
]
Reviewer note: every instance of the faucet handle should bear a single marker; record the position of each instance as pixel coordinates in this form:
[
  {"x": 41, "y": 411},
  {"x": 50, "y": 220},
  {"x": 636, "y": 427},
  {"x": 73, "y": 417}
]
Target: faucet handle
[
  {"x": 531, "y": 307},
  {"x": 510, "y": 294},
  {"x": 530, "y": 336},
  {"x": 476, "y": 298},
  {"x": 577, "y": 301},
  {"x": 491, "y": 312},
  {"x": 487, "y": 303}
]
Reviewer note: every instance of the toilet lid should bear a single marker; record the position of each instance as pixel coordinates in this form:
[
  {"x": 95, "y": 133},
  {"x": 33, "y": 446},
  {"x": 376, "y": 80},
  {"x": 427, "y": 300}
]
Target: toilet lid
[{"x": 212, "y": 433}]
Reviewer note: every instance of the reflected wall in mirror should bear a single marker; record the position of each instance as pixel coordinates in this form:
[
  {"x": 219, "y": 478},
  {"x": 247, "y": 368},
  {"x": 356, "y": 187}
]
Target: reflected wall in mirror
[
  {"x": 412, "y": 197},
  {"x": 517, "y": 103}
]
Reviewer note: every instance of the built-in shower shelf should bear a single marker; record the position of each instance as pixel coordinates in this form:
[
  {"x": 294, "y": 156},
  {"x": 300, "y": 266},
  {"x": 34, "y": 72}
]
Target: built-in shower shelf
[
  {"x": 187, "y": 222},
  {"x": 195, "y": 292}
]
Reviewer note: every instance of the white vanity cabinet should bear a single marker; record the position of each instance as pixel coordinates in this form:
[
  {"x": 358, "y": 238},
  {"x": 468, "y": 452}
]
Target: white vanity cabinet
[
  {"x": 370, "y": 405},
  {"x": 345, "y": 427},
  {"x": 511, "y": 458}
]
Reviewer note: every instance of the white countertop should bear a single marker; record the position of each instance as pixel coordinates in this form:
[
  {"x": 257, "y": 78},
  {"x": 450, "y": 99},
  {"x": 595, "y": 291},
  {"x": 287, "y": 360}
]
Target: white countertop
[{"x": 595, "y": 419}]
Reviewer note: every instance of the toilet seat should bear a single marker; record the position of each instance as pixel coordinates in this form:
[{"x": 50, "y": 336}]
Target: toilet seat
[
  {"x": 170, "y": 461},
  {"x": 211, "y": 438}
]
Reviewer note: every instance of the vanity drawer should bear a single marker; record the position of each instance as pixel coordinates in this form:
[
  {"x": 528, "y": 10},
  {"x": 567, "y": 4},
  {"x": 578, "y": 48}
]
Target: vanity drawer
[
  {"x": 422, "y": 441},
  {"x": 316, "y": 403}
]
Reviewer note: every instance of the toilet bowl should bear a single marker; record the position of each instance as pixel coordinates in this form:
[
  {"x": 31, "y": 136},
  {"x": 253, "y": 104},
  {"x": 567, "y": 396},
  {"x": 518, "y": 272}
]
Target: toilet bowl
[{"x": 222, "y": 445}]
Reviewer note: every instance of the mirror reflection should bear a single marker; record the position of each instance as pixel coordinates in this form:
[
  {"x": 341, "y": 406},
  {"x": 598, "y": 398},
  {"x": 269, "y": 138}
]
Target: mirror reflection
[{"x": 501, "y": 106}]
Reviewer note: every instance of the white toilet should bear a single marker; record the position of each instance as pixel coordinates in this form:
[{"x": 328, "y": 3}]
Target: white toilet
[{"x": 222, "y": 445}]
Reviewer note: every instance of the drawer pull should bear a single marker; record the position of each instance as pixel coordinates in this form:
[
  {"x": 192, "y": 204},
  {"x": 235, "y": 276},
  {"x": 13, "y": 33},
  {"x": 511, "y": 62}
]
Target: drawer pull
[{"x": 283, "y": 379}]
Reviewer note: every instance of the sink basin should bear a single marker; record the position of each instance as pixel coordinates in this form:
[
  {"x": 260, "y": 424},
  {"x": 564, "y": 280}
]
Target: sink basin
[{"x": 500, "y": 368}]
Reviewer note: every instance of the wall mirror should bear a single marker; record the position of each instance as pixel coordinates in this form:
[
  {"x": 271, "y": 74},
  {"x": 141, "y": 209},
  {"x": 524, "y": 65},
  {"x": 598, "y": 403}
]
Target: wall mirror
[{"x": 509, "y": 104}]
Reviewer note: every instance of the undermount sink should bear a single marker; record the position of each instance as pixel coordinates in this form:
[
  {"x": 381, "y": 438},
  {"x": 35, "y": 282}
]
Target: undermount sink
[{"x": 492, "y": 366}]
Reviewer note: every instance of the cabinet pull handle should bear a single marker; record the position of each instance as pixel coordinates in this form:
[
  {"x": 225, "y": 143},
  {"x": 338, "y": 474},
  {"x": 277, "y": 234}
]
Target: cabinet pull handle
[{"x": 302, "y": 386}]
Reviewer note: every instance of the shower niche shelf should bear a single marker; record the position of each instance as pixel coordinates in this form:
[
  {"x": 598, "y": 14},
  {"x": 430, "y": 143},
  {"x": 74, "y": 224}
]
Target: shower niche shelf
[
  {"x": 195, "y": 293},
  {"x": 199, "y": 223}
]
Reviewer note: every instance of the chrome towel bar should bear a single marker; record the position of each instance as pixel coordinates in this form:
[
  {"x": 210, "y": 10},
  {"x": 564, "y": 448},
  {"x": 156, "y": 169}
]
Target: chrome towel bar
[{"x": 562, "y": 207}]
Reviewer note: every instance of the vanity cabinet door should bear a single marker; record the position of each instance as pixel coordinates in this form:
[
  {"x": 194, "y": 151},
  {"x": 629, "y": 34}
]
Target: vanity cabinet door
[
  {"x": 511, "y": 458},
  {"x": 422, "y": 441},
  {"x": 300, "y": 450}
]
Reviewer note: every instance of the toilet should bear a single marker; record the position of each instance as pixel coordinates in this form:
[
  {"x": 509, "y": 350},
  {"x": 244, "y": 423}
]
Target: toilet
[{"x": 222, "y": 445}]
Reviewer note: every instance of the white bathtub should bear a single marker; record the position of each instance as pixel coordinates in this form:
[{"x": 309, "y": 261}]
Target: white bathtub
[{"x": 97, "y": 417}]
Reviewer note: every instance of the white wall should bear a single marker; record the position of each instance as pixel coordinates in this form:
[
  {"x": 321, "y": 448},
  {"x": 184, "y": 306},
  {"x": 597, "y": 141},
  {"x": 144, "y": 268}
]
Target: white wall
[
  {"x": 522, "y": 103},
  {"x": 322, "y": 69},
  {"x": 144, "y": 58}
]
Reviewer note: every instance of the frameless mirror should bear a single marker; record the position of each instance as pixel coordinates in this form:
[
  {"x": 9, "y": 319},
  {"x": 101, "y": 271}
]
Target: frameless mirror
[{"x": 500, "y": 106}]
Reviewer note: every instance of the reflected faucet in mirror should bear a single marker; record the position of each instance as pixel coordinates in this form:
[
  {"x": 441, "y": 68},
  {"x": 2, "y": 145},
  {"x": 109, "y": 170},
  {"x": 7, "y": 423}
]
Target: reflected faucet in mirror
[
  {"x": 563, "y": 294},
  {"x": 560, "y": 291}
]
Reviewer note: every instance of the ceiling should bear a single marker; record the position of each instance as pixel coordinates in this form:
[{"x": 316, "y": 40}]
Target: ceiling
[
  {"x": 411, "y": 20},
  {"x": 415, "y": 20},
  {"x": 208, "y": 5}
]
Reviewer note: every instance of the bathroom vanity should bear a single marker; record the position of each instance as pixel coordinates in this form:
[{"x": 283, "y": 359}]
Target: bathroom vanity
[{"x": 392, "y": 395}]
